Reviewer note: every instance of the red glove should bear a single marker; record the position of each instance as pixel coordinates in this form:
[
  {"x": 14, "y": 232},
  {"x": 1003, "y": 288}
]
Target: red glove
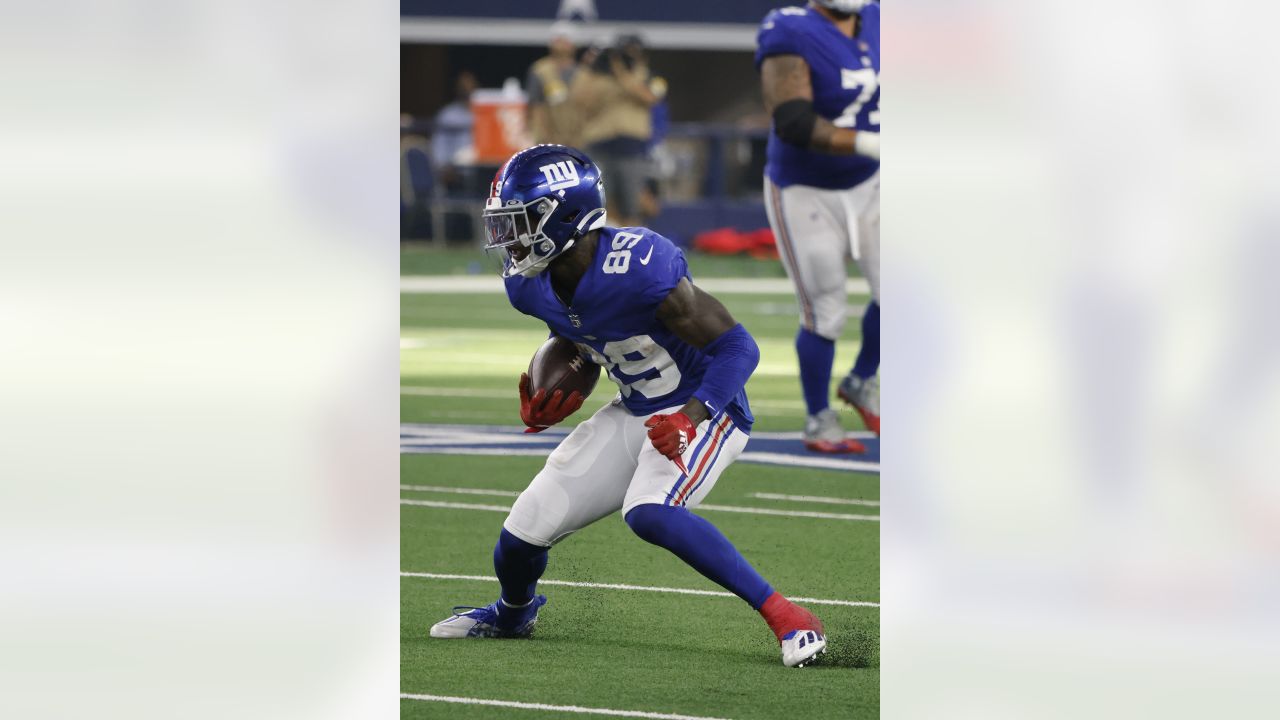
[
  {"x": 540, "y": 412},
  {"x": 671, "y": 435}
]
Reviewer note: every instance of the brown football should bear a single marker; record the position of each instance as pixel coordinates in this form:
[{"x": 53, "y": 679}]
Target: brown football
[{"x": 559, "y": 366}]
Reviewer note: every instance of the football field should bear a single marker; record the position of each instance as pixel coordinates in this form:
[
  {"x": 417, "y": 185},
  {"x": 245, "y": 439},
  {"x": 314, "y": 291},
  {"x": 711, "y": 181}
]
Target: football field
[{"x": 629, "y": 630}]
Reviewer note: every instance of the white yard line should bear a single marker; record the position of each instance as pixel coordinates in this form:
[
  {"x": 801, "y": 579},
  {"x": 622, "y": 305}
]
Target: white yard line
[
  {"x": 812, "y": 499},
  {"x": 637, "y": 588},
  {"x": 713, "y": 508},
  {"x": 455, "y": 506},
  {"x": 460, "y": 491},
  {"x": 493, "y": 284},
  {"x": 559, "y": 708}
]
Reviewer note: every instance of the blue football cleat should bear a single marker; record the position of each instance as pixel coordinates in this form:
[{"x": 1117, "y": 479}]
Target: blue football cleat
[{"x": 498, "y": 620}]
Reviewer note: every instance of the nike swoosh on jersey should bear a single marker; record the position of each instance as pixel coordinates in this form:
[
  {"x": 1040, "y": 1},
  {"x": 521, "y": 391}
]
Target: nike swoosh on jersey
[{"x": 645, "y": 260}]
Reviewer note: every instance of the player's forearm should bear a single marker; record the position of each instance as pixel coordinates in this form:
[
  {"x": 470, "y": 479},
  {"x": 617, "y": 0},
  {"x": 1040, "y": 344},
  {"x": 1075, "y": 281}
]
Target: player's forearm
[
  {"x": 827, "y": 138},
  {"x": 795, "y": 122},
  {"x": 734, "y": 356}
]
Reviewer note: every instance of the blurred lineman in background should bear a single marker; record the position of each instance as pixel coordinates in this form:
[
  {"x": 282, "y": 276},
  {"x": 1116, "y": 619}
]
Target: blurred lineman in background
[
  {"x": 551, "y": 117},
  {"x": 819, "y": 68},
  {"x": 615, "y": 95}
]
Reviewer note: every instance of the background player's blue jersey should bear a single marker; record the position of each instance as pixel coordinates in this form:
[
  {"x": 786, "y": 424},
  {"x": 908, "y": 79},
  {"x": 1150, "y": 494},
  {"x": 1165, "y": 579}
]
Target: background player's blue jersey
[
  {"x": 613, "y": 319},
  {"x": 845, "y": 76}
]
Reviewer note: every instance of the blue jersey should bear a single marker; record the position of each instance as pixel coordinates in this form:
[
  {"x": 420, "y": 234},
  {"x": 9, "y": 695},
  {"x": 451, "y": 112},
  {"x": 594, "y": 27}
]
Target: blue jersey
[
  {"x": 613, "y": 320},
  {"x": 844, "y": 73}
]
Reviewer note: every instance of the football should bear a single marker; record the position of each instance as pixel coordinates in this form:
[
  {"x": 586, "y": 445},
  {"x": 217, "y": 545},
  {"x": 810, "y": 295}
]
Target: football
[{"x": 558, "y": 365}]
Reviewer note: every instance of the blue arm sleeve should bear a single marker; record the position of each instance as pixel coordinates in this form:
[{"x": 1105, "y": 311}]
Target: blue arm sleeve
[{"x": 734, "y": 355}]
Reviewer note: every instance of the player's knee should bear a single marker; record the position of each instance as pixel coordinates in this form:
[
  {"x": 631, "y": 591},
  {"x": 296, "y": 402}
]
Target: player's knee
[
  {"x": 521, "y": 529},
  {"x": 831, "y": 327},
  {"x": 647, "y": 521},
  {"x": 510, "y": 546}
]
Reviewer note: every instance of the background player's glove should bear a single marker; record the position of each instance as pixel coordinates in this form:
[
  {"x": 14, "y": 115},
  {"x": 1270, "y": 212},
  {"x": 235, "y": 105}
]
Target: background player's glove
[
  {"x": 671, "y": 435},
  {"x": 540, "y": 412}
]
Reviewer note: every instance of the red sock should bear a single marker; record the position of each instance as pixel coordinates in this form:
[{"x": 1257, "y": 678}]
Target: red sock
[{"x": 784, "y": 616}]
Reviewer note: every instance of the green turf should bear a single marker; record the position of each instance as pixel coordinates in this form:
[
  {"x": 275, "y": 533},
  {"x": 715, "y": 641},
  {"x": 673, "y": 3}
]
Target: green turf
[
  {"x": 693, "y": 655},
  {"x": 478, "y": 342},
  {"x": 637, "y": 650}
]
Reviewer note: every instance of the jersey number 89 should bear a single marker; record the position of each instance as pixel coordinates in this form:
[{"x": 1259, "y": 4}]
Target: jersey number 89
[{"x": 619, "y": 261}]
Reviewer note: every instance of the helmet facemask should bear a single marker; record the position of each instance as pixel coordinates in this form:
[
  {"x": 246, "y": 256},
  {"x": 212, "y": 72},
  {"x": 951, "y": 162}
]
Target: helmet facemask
[{"x": 516, "y": 230}]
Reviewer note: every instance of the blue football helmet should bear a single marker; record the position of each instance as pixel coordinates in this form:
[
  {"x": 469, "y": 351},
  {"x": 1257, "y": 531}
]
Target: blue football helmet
[{"x": 542, "y": 200}]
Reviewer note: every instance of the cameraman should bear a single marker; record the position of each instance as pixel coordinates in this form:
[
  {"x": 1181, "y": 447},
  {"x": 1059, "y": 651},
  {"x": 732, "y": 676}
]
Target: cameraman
[{"x": 614, "y": 94}]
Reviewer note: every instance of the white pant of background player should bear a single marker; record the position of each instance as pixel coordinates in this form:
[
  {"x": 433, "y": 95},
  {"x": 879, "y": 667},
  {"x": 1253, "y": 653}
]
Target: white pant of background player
[
  {"x": 607, "y": 464},
  {"x": 817, "y": 231}
]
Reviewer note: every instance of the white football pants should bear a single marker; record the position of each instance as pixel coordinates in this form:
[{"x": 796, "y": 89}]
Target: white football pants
[
  {"x": 608, "y": 464},
  {"x": 818, "y": 231}
]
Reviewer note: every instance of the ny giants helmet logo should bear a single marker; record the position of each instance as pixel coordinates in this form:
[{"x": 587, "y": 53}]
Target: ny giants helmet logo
[{"x": 560, "y": 175}]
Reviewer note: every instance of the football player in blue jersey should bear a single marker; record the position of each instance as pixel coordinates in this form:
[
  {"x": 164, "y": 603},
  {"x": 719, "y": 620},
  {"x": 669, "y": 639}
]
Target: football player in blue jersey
[
  {"x": 819, "y": 69},
  {"x": 624, "y": 296}
]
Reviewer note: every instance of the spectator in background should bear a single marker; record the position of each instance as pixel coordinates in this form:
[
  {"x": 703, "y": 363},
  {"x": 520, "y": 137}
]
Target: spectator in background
[
  {"x": 452, "y": 155},
  {"x": 614, "y": 94},
  {"x": 551, "y": 117},
  {"x": 451, "y": 141}
]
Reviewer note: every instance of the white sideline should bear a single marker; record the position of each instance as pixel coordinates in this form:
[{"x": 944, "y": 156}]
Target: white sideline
[
  {"x": 813, "y": 499},
  {"x": 559, "y": 708},
  {"x": 642, "y": 588},
  {"x": 713, "y": 508}
]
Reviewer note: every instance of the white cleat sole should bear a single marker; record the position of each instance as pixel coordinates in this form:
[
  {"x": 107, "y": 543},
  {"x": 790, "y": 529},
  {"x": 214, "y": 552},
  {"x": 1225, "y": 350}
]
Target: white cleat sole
[
  {"x": 795, "y": 654},
  {"x": 814, "y": 657},
  {"x": 451, "y": 629}
]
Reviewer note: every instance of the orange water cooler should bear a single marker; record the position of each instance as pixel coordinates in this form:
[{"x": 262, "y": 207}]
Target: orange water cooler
[{"x": 499, "y": 131}]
